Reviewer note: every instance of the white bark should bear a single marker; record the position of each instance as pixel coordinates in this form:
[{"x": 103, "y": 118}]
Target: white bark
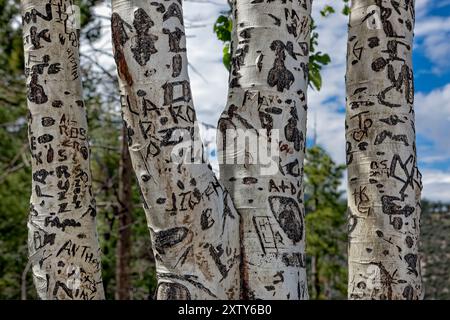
[
  {"x": 267, "y": 102},
  {"x": 192, "y": 221},
  {"x": 63, "y": 242},
  {"x": 384, "y": 183}
]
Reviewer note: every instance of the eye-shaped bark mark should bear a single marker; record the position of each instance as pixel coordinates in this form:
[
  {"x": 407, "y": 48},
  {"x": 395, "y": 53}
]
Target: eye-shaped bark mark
[
  {"x": 411, "y": 260},
  {"x": 292, "y": 133},
  {"x": 161, "y": 8},
  {"x": 144, "y": 42},
  {"x": 287, "y": 213},
  {"x": 393, "y": 120},
  {"x": 36, "y": 37},
  {"x": 193, "y": 280},
  {"x": 408, "y": 293},
  {"x": 279, "y": 75},
  {"x": 174, "y": 10},
  {"x": 381, "y": 137},
  {"x": 168, "y": 238},
  {"x": 119, "y": 38},
  {"x": 47, "y": 121},
  {"x": 373, "y": 42},
  {"x": 172, "y": 291},
  {"x": 409, "y": 242},
  {"x": 45, "y": 138},
  {"x": 174, "y": 39}
]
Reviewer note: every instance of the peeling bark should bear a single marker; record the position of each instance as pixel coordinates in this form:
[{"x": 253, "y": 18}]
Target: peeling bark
[
  {"x": 63, "y": 243},
  {"x": 192, "y": 221},
  {"x": 384, "y": 183},
  {"x": 267, "y": 103}
]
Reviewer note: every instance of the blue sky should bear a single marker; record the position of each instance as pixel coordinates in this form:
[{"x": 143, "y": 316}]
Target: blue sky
[{"x": 326, "y": 108}]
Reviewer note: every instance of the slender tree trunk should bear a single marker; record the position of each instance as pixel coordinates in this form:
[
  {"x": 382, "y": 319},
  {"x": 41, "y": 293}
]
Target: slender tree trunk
[
  {"x": 63, "y": 242},
  {"x": 123, "y": 253},
  {"x": 192, "y": 221},
  {"x": 315, "y": 276},
  {"x": 384, "y": 183},
  {"x": 267, "y": 107}
]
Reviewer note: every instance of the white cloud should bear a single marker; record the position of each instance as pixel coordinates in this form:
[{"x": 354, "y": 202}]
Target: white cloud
[
  {"x": 422, "y": 7},
  {"x": 210, "y": 84},
  {"x": 432, "y": 34},
  {"x": 323, "y": 104},
  {"x": 436, "y": 185},
  {"x": 432, "y": 109},
  {"x": 433, "y": 121}
]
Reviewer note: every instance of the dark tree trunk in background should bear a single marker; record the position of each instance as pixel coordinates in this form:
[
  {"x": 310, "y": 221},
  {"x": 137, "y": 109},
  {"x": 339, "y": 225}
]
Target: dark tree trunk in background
[{"x": 123, "y": 253}]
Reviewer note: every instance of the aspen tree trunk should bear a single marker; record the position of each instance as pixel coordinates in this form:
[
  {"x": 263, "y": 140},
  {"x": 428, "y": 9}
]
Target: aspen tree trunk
[
  {"x": 123, "y": 250},
  {"x": 63, "y": 242},
  {"x": 384, "y": 183},
  {"x": 192, "y": 221},
  {"x": 267, "y": 106}
]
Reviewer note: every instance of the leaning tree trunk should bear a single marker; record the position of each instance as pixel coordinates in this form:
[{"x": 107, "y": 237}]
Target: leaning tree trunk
[
  {"x": 384, "y": 183},
  {"x": 124, "y": 246},
  {"x": 192, "y": 221},
  {"x": 262, "y": 137},
  {"x": 63, "y": 241}
]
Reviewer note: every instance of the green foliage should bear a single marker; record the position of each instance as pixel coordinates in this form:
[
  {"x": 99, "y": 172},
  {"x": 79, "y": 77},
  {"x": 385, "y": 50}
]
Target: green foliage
[
  {"x": 325, "y": 226},
  {"x": 434, "y": 244},
  {"x": 316, "y": 59},
  {"x": 327, "y": 10},
  {"x": 15, "y": 171},
  {"x": 223, "y": 28},
  {"x": 346, "y": 8}
]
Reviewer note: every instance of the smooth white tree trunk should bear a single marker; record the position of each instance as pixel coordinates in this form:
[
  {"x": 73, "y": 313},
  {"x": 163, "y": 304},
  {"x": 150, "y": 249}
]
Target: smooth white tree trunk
[
  {"x": 384, "y": 183},
  {"x": 63, "y": 242},
  {"x": 267, "y": 105},
  {"x": 192, "y": 221}
]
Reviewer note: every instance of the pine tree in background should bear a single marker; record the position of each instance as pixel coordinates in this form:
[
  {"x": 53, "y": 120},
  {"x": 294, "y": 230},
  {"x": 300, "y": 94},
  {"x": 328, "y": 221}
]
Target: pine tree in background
[{"x": 326, "y": 226}]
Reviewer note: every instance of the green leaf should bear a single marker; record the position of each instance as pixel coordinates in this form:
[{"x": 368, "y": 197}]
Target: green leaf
[
  {"x": 315, "y": 78},
  {"x": 323, "y": 59},
  {"x": 346, "y": 10},
  {"x": 227, "y": 57},
  {"x": 223, "y": 27},
  {"x": 327, "y": 10}
]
